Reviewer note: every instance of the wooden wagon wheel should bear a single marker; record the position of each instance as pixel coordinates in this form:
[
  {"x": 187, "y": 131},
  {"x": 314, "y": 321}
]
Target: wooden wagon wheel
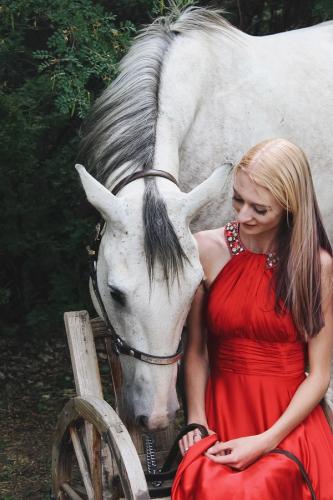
[{"x": 93, "y": 456}]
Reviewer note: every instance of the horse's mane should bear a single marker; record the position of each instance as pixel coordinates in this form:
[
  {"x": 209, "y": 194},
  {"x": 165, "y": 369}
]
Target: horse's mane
[{"x": 119, "y": 134}]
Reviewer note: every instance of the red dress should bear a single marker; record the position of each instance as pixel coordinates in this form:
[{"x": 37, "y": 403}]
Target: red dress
[{"x": 257, "y": 361}]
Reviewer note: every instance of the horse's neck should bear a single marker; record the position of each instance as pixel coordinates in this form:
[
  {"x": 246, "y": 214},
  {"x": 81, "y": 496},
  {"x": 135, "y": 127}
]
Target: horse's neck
[
  {"x": 194, "y": 75},
  {"x": 219, "y": 97}
]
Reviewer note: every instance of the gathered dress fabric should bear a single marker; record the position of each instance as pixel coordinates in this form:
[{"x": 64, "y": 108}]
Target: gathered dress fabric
[{"x": 257, "y": 361}]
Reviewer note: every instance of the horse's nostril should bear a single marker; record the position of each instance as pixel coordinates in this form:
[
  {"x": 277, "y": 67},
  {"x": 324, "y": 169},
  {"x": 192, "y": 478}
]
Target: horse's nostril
[{"x": 142, "y": 420}]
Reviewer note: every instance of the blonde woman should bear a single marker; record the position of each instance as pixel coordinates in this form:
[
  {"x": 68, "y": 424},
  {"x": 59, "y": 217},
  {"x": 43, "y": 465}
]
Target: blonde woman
[{"x": 264, "y": 316}]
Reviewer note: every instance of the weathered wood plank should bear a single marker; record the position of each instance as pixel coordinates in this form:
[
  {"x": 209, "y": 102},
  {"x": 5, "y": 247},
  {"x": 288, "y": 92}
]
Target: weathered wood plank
[
  {"x": 98, "y": 326},
  {"x": 86, "y": 374},
  {"x": 83, "y": 354},
  {"x": 99, "y": 331}
]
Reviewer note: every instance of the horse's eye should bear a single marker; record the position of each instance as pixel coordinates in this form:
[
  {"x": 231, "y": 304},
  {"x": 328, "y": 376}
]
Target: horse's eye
[{"x": 117, "y": 295}]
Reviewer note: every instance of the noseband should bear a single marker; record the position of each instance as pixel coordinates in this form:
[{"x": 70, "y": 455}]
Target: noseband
[{"x": 119, "y": 345}]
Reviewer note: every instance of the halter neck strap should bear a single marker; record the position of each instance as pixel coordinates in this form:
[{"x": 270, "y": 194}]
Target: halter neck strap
[{"x": 152, "y": 172}]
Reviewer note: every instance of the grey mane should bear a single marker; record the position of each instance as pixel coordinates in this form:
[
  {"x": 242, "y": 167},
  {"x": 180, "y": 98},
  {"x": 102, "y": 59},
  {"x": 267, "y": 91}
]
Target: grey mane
[{"x": 119, "y": 134}]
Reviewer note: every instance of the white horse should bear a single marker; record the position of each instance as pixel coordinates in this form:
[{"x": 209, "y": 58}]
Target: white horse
[{"x": 191, "y": 94}]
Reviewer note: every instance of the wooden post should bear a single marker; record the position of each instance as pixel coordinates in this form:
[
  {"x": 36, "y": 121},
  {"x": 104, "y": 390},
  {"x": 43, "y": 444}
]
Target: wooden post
[{"x": 83, "y": 354}]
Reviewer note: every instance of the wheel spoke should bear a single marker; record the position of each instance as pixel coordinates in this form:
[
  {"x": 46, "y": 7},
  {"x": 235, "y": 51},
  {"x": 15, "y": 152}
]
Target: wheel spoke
[
  {"x": 76, "y": 453},
  {"x": 107, "y": 471},
  {"x": 82, "y": 463},
  {"x": 87, "y": 434},
  {"x": 70, "y": 492},
  {"x": 96, "y": 469}
]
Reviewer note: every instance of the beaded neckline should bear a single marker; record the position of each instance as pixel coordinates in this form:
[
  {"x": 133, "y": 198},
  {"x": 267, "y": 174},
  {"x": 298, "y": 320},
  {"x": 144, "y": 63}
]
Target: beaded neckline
[{"x": 236, "y": 246}]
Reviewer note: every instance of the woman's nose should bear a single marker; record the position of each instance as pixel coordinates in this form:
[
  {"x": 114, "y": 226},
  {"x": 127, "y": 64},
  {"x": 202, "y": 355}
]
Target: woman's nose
[{"x": 245, "y": 213}]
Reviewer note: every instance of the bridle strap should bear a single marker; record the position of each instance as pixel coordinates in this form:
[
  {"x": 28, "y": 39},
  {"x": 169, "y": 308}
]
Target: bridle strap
[
  {"x": 152, "y": 172},
  {"x": 119, "y": 345}
]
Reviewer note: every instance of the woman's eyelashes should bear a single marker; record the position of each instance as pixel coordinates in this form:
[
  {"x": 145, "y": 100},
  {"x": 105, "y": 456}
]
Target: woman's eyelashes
[{"x": 260, "y": 211}]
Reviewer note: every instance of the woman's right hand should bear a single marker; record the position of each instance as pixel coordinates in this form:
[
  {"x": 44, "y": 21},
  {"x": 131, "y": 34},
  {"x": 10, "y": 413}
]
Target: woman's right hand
[{"x": 190, "y": 439}]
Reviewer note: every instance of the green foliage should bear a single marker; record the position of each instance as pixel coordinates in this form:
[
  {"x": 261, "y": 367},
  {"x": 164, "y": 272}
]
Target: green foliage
[
  {"x": 173, "y": 7},
  {"x": 55, "y": 56},
  {"x": 260, "y": 17},
  {"x": 323, "y": 10}
]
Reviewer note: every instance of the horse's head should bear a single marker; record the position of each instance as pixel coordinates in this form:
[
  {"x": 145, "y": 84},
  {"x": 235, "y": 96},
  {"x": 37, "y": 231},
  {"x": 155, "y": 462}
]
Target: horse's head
[{"x": 147, "y": 277}]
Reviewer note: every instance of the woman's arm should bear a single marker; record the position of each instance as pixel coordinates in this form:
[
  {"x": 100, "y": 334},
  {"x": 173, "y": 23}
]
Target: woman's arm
[
  {"x": 246, "y": 450},
  {"x": 195, "y": 369},
  {"x": 320, "y": 348},
  {"x": 213, "y": 254},
  {"x": 196, "y": 361}
]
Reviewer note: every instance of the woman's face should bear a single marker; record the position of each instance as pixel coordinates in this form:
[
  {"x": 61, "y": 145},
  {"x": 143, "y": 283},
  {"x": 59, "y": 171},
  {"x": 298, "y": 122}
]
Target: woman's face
[{"x": 257, "y": 209}]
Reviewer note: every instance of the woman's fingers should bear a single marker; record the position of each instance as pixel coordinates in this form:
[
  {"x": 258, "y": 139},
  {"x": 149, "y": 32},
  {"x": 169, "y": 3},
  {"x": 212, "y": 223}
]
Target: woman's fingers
[
  {"x": 190, "y": 437},
  {"x": 196, "y": 435},
  {"x": 223, "y": 448},
  {"x": 221, "y": 459},
  {"x": 189, "y": 440},
  {"x": 183, "y": 445}
]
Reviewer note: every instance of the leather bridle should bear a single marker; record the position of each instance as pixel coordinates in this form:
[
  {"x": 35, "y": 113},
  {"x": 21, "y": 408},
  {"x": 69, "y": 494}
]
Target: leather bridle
[{"x": 119, "y": 345}]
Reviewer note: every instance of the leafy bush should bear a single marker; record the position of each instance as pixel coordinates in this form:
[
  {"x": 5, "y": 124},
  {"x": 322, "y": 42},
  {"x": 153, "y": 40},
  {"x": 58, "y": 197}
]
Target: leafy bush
[{"x": 56, "y": 55}]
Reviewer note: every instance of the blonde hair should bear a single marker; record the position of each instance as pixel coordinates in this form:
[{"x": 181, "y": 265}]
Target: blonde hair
[{"x": 282, "y": 168}]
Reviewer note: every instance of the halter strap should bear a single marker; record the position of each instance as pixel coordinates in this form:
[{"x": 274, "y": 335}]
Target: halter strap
[
  {"x": 152, "y": 172},
  {"x": 119, "y": 345}
]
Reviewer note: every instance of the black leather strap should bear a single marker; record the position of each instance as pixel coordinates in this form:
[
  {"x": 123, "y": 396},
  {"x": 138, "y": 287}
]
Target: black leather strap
[
  {"x": 119, "y": 345},
  {"x": 175, "y": 448},
  {"x": 167, "y": 472},
  {"x": 152, "y": 172},
  {"x": 300, "y": 466}
]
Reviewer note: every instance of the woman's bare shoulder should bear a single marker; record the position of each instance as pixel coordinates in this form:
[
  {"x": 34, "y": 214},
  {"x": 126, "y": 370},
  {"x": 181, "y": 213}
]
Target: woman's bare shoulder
[
  {"x": 213, "y": 252},
  {"x": 211, "y": 240}
]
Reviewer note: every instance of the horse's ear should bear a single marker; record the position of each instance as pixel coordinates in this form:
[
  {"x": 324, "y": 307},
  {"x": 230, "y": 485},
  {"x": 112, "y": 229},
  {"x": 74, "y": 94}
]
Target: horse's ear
[
  {"x": 101, "y": 198},
  {"x": 211, "y": 189}
]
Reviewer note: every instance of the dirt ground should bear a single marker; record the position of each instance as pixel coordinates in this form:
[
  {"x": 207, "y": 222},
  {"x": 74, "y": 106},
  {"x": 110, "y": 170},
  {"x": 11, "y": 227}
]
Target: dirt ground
[{"x": 35, "y": 382}]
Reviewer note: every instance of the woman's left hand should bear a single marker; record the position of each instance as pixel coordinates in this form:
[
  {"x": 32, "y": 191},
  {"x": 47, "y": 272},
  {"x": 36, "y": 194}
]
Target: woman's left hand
[{"x": 239, "y": 453}]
